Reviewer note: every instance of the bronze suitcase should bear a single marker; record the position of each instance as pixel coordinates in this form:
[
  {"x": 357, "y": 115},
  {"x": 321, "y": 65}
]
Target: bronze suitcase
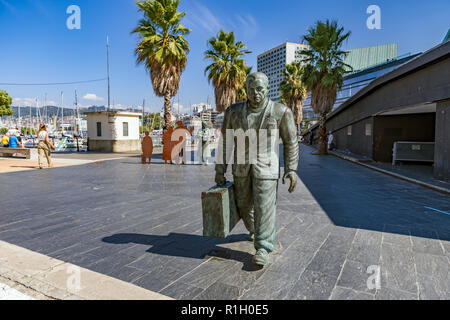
[{"x": 220, "y": 214}]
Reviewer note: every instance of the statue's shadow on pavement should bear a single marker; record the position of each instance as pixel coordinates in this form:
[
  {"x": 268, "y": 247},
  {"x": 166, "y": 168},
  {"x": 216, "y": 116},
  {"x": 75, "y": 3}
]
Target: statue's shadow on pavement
[{"x": 189, "y": 246}]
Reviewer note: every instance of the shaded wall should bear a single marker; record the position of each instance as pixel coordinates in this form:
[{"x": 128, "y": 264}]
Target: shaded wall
[
  {"x": 442, "y": 148},
  {"x": 405, "y": 127},
  {"x": 355, "y": 138}
]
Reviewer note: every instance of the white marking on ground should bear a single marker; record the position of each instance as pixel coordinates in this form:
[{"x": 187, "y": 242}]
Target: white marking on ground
[{"x": 8, "y": 293}]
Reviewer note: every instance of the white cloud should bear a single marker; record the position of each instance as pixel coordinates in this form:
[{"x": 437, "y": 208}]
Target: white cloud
[
  {"x": 203, "y": 18},
  {"x": 92, "y": 97},
  {"x": 31, "y": 102},
  {"x": 26, "y": 102},
  {"x": 182, "y": 108},
  {"x": 248, "y": 24}
]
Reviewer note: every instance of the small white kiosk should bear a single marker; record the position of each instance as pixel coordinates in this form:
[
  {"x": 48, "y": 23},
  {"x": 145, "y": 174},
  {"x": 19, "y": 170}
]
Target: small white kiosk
[{"x": 113, "y": 131}]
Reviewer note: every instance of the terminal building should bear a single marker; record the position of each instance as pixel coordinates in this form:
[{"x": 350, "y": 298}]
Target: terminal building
[
  {"x": 368, "y": 64},
  {"x": 408, "y": 103}
]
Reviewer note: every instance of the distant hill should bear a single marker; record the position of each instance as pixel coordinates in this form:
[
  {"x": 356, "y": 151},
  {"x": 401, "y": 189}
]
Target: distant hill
[{"x": 51, "y": 111}]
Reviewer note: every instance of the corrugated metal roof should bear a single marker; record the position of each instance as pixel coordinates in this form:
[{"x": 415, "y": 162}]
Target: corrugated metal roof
[
  {"x": 363, "y": 58},
  {"x": 447, "y": 37}
]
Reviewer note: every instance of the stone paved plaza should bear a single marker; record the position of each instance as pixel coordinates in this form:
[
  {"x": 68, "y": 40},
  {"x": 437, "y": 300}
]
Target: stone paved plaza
[{"x": 143, "y": 225}]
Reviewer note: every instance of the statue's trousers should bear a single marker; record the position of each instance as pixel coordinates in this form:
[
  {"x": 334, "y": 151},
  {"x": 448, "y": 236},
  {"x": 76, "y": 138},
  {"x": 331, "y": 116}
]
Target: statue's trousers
[{"x": 256, "y": 200}]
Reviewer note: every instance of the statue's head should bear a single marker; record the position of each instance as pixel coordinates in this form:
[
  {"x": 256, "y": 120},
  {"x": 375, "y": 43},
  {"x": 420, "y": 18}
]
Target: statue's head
[{"x": 257, "y": 87}]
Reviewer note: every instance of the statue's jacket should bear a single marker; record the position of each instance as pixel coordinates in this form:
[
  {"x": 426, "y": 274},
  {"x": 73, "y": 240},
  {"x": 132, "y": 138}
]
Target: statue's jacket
[{"x": 277, "y": 121}]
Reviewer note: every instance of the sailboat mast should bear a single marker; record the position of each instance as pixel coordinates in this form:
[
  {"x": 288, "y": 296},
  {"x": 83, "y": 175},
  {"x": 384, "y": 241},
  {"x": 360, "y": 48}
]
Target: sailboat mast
[
  {"x": 76, "y": 113},
  {"x": 62, "y": 107},
  {"x": 107, "y": 65},
  {"x": 44, "y": 110}
]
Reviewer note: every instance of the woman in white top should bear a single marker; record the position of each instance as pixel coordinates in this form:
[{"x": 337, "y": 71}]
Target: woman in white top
[{"x": 44, "y": 146}]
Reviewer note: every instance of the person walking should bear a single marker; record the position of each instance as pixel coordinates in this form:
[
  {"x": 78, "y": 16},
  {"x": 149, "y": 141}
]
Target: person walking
[
  {"x": 311, "y": 138},
  {"x": 44, "y": 145}
]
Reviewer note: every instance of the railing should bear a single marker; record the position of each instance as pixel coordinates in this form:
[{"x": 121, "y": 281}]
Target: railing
[
  {"x": 413, "y": 151},
  {"x": 157, "y": 140}
]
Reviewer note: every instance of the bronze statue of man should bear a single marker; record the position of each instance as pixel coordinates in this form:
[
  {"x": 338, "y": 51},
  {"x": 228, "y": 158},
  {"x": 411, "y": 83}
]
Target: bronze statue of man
[{"x": 256, "y": 180}]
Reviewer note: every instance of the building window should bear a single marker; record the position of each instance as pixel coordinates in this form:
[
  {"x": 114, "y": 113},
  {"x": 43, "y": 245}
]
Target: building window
[
  {"x": 349, "y": 130},
  {"x": 99, "y": 129},
  {"x": 125, "y": 129},
  {"x": 368, "y": 129}
]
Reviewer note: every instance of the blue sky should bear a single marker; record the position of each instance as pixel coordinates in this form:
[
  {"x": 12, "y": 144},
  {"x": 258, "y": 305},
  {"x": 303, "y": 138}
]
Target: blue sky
[{"x": 37, "y": 47}]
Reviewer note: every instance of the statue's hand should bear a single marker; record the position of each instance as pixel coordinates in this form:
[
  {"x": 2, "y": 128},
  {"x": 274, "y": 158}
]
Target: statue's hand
[
  {"x": 293, "y": 177},
  {"x": 220, "y": 179}
]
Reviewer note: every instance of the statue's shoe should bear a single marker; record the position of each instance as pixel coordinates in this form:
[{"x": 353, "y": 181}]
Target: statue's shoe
[
  {"x": 251, "y": 237},
  {"x": 261, "y": 257}
]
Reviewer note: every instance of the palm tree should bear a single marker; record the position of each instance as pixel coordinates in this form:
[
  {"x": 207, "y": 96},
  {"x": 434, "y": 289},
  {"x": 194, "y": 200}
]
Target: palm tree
[
  {"x": 242, "y": 91},
  {"x": 162, "y": 48},
  {"x": 228, "y": 71},
  {"x": 324, "y": 70},
  {"x": 293, "y": 90}
]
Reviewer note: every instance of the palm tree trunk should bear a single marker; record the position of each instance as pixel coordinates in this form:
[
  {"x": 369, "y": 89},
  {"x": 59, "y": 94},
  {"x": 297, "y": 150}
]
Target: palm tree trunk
[
  {"x": 300, "y": 118},
  {"x": 300, "y": 114},
  {"x": 167, "y": 112},
  {"x": 297, "y": 110},
  {"x": 322, "y": 148}
]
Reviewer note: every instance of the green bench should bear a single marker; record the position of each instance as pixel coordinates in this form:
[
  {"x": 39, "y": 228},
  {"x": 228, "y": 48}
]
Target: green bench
[{"x": 15, "y": 151}]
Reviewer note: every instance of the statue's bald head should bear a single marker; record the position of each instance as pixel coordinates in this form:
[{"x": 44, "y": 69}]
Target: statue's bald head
[
  {"x": 257, "y": 88},
  {"x": 257, "y": 76}
]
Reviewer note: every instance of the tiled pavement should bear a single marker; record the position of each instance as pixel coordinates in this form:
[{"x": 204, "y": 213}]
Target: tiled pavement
[{"x": 143, "y": 225}]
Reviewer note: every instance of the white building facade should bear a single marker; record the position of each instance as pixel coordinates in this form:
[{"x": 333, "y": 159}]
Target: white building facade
[
  {"x": 201, "y": 107},
  {"x": 274, "y": 61},
  {"x": 113, "y": 131}
]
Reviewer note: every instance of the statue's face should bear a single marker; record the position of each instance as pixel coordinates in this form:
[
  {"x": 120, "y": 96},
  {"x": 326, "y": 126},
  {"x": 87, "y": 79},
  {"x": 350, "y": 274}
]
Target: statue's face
[{"x": 257, "y": 91}]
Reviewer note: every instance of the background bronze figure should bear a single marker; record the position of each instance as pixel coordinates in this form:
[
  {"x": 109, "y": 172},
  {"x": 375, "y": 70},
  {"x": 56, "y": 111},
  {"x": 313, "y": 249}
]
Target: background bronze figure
[{"x": 256, "y": 182}]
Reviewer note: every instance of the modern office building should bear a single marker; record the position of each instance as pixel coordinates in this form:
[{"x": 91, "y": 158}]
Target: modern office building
[
  {"x": 208, "y": 116},
  {"x": 273, "y": 62}
]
